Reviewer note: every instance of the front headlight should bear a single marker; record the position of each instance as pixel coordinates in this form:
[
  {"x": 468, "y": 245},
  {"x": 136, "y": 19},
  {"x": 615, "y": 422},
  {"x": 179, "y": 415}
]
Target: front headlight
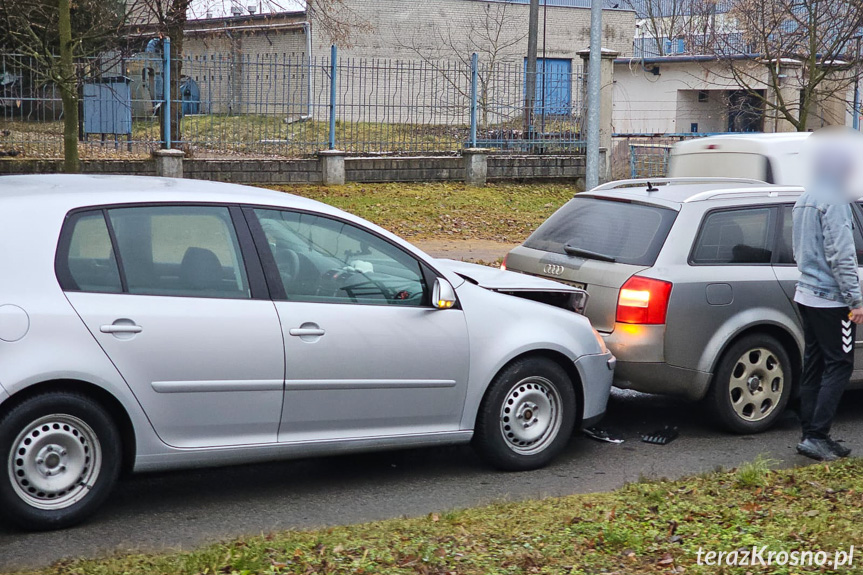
[{"x": 600, "y": 341}]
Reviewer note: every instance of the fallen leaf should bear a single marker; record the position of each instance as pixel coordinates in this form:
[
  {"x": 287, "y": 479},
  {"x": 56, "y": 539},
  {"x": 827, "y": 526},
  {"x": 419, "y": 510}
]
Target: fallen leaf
[{"x": 667, "y": 559}]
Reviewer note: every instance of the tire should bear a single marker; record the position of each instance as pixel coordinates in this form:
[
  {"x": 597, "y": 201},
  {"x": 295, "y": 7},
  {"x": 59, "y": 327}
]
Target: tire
[
  {"x": 752, "y": 385},
  {"x": 60, "y": 455},
  {"x": 538, "y": 388}
]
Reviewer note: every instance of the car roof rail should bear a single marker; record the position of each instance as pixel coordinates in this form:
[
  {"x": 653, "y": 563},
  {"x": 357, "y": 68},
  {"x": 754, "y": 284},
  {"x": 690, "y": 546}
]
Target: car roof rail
[
  {"x": 650, "y": 182},
  {"x": 744, "y": 193}
]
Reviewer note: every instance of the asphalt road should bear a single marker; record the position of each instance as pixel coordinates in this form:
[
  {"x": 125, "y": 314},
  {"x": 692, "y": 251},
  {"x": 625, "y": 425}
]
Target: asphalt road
[{"x": 184, "y": 509}]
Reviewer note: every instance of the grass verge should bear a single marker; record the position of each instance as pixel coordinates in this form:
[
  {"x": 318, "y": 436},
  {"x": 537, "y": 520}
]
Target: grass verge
[
  {"x": 645, "y": 527},
  {"x": 505, "y": 212}
]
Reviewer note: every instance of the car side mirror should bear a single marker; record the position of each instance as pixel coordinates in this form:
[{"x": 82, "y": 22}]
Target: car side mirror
[{"x": 443, "y": 294}]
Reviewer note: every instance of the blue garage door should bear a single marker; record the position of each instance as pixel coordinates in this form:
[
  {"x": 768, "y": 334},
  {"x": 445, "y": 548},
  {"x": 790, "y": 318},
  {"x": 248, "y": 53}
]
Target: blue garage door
[{"x": 553, "y": 86}]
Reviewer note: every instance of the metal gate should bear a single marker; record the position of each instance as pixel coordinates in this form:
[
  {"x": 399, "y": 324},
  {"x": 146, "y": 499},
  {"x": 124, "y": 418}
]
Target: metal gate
[
  {"x": 648, "y": 160},
  {"x": 553, "y": 86}
]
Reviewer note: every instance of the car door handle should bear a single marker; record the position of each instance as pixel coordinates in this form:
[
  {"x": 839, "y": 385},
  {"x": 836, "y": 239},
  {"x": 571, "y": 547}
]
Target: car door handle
[
  {"x": 307, "y": 331},
  {"x": 121, "y": 328}
]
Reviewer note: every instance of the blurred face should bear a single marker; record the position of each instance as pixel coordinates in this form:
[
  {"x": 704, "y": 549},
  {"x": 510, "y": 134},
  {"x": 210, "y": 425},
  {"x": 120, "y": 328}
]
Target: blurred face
[{"x": 835, "y": 163}]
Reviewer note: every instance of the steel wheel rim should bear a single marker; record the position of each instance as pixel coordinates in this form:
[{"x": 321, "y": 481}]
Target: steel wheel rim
[
  {"x": 54, "y": 462},
  {"x": 756, "y": 384},
  {"x": 531, "y": 416}
]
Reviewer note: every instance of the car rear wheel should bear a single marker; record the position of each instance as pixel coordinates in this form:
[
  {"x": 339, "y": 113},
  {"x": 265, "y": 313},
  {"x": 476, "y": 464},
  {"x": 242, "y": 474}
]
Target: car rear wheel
[
  {"x": 61, "y": 454},
  {"x": 527, "y": 415},
  {"x": 752, "y": 384}
]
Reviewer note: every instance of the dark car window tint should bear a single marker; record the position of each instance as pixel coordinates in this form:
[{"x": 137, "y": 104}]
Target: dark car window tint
[
  {"x": 786, "y": 243},
  {"x": 90, "y": 261},
  {"x": 858, "y": 237},
  {"x": 326, "y": 260},
  {"x": 629, "y": 233},
  {"x": 180, "y": 251},
  {"x": 735, "y": 237}
]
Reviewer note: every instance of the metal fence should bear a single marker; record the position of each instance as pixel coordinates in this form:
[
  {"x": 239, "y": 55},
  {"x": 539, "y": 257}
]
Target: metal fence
[
  {"x": 120, "y": 117},
  {"x": 287, "y": 105},
  {"x": 648, "y": 154}
]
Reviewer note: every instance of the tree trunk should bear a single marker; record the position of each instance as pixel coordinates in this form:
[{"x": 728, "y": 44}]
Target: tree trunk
[{"x": 68, "y": 85}]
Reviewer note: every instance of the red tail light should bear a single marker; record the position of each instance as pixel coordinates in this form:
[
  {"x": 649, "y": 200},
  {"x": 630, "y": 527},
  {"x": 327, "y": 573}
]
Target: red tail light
[
  {"x": 643, "y": 300},
  {"x": 503, "y": 263}
]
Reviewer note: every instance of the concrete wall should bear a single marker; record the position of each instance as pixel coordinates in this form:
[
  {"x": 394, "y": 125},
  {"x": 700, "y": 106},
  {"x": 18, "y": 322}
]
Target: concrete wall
[
  {"x": 307, "y": 171},
  {"x": 249, "y": 65},
  {"x": 448, "y": 29},
  {"x": 667, "y": 102},
  {"x": 707, "y": 108}
]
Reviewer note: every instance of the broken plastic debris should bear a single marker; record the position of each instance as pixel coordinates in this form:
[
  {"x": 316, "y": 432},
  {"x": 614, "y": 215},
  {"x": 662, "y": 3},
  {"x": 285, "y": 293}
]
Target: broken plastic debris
[
  {"x": 662, "y": 437},
  {"x": 601, "y": 435}
]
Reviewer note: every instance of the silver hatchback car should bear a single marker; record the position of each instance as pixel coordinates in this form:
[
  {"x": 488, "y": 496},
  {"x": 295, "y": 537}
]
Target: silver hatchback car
[
  {"x": 150, "y": 324},
  {"x": 691, "y": 284}
]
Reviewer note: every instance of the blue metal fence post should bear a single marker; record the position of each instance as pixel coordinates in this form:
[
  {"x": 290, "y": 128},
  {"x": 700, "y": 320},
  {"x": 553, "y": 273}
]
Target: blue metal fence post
[
  {"x": 333, "y": 54},
  {"x": 856, "y": 120},
  {"x": 474, "y": 72},
  {"x": 166, "y": 88}
]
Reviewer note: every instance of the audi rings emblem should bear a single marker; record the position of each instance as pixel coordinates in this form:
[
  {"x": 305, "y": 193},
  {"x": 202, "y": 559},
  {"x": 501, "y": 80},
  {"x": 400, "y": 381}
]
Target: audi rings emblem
[{"x": 553, "y": 269}]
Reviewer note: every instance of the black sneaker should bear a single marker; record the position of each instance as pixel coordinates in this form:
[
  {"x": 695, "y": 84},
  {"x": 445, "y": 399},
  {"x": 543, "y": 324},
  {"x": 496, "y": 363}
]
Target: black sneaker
[
  {"x": 817, "y": 449},
  {"x": 838, "y": 449}
]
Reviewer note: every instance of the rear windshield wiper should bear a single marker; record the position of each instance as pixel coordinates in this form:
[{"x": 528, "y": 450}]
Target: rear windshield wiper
[{"x": 574, "y": 251}]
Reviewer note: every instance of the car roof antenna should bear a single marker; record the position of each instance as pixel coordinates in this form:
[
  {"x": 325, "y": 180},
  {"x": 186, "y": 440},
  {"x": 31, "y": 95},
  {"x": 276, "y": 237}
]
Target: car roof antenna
[{"x": 651, "y": 187}]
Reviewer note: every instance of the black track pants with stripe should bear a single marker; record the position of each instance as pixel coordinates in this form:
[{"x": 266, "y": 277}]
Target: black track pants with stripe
[{"x": 827, "y": 365}]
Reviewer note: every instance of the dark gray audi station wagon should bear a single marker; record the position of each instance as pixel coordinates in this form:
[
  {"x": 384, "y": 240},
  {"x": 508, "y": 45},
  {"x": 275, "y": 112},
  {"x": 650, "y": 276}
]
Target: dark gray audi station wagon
[{"x": 691, "y": 283}]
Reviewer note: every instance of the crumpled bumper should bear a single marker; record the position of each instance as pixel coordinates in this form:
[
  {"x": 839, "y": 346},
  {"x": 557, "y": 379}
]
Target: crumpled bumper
[{"x": 597, "y": 375}]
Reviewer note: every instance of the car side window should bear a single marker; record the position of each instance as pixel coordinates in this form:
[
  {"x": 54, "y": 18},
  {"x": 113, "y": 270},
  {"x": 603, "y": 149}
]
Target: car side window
[
  {"x": 858, "y": 235},
  {"x": 179, "y": 251},
  {"x": 86, "y": 259},
  {"x": 321, "y": 259},
  {"x": 739, "y": 237},
  {"x": 786, "y": 252},
  {"x": 785, "y": 247}
]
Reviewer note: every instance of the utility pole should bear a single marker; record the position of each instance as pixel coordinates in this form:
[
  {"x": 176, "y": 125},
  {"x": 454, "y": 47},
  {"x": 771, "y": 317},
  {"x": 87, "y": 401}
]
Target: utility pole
[
  {"x": 591, "y": 177},
  {"x": 530, "y": 72}
]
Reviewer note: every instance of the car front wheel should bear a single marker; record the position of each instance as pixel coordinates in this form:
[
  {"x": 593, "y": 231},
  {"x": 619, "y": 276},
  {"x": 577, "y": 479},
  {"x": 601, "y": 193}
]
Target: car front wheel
[
  {"x": 61, "y": 454},
  {"x": 527, "y": 415},
  {"x": 752, "y": 384}
]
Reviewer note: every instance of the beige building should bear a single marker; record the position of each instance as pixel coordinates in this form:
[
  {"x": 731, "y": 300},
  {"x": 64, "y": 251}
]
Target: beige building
[{"x": 685, "y": 94}]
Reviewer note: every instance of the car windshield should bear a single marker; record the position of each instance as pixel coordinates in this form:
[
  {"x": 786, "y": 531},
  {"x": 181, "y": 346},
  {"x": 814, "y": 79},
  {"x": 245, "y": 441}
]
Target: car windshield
[{"x": 606, "y": 230}]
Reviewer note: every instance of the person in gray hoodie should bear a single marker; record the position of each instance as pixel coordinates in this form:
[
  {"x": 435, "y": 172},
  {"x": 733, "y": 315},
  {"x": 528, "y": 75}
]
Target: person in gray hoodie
[{"x": 828, "y": 294}]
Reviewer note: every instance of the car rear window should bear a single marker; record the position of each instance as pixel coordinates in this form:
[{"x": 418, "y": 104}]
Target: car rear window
[{"x": 630, "y": 233}]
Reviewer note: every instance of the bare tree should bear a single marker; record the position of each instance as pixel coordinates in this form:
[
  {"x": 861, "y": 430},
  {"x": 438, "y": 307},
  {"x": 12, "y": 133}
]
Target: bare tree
[
  {"x": 51, "y": 35},
  {"x": 659, "y": 20},
  {"x": 491, "y": 36},
  {"x": 793, "y": 57},
  {"x": 338, "y": 21}
]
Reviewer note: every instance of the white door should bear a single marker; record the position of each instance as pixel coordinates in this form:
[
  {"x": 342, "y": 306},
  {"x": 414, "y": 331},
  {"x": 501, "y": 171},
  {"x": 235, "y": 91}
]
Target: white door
[
  {"x": 366, "y": 354},
  {"x": 178, "y": 319}
]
